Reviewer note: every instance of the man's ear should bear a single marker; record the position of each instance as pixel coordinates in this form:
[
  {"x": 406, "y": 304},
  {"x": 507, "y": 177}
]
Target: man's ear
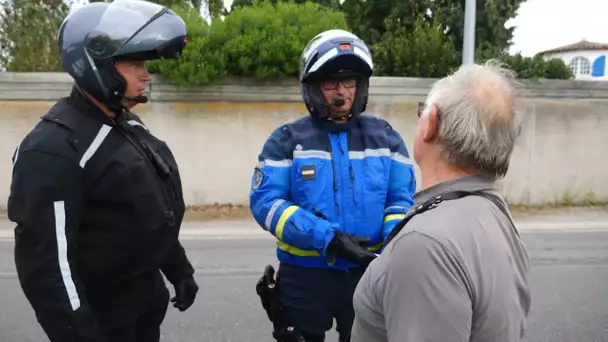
[{"x": 431, "y": 125}]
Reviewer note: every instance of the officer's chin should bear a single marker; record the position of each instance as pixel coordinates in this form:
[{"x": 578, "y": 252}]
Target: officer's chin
[
  {"x": 340, "y": 112},
  {"x": 128, "y": 104}
]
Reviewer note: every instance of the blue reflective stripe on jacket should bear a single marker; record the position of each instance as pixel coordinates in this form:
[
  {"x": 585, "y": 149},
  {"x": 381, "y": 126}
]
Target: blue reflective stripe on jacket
[{"x": 311, "y": 181}]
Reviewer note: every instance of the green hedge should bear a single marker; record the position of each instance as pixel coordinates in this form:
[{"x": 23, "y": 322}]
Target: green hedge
[
  {"x": 538, "y": 67},
  {"x": 264, "y": 41}
]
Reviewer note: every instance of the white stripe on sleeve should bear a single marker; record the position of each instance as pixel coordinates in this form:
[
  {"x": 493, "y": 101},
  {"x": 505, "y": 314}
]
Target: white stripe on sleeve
[{"x": 62, "y": 255}]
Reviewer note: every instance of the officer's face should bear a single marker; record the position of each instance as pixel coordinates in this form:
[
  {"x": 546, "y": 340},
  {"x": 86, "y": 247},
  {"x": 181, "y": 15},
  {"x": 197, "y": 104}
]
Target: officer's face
[
  {"x": 339, "y": 89},
  {"x": 137, "y": 77}
]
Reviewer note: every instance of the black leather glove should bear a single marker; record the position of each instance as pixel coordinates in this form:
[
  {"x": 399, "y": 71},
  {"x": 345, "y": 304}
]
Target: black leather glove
[
  {"x": 349, "y": 247},
  {"x": 185, "y": 292},
  {"x": 266, "y": 288}
]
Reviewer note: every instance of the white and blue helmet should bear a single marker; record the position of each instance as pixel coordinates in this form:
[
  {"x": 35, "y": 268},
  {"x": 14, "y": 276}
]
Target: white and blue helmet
[{"x": 334, "y": 54}]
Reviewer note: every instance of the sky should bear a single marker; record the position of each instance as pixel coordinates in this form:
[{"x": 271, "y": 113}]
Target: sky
[{"x": 546, "y": 24}]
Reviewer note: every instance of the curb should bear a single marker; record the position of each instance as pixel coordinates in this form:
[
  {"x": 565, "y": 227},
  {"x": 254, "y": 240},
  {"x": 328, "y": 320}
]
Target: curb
[
  {"x": 236, "y": 230},
  {"x": 575, "y": 226},
  {"x": 6, "y": 235}
]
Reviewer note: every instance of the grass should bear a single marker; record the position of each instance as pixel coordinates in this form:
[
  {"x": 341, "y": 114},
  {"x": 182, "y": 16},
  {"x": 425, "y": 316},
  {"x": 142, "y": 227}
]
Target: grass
[
  {"x": 218, "y": 212},
  {"x": 241, "y": 212}
]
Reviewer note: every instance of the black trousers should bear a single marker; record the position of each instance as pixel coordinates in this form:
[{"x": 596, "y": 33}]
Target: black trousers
[
  {"x": 312, "y": 298},
  {"x": 131, "y": 313},
  {"x": 147, "y": 327}
]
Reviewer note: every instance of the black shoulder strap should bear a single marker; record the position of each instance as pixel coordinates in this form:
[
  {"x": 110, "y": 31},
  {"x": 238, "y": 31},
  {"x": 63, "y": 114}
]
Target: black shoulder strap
[
  {"x": 500, "y": 206},
  {"x": 448, "y": 196}
]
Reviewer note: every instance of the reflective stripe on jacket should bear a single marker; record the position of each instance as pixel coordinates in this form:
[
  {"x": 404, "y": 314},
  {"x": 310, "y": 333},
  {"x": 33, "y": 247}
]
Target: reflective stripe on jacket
[
  {"x": 96, "y": 219},
  {"x": 316, "y": 177}
]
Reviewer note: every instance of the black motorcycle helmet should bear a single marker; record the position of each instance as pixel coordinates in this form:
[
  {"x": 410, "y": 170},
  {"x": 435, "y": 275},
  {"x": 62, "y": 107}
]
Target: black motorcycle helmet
[
  {"x": 93, "y": 37},
  {"x": 334, "y": 54}
]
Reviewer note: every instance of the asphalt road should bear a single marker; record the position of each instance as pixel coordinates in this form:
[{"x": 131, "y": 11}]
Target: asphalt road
[{"x": 569, "y": 279}]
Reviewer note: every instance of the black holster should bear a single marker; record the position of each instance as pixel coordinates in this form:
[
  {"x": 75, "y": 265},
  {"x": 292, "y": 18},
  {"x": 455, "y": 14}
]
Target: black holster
[{"x": 268, "y": 290}]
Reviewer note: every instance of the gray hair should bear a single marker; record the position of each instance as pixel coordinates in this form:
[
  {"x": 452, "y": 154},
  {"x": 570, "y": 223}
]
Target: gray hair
[{"x": 478, "y": 126}]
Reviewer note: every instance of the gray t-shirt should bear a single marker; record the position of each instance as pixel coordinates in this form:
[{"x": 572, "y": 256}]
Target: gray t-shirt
[{"x": 458, "y": 272}]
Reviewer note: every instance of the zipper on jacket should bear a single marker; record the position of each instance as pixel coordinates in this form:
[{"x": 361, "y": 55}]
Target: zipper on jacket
[
  {"x": 351, "y": 173},
  {"x": 352, "y": 180},
  {"x": 165, "y": 169},
  {"x": 343, "y": 159},
  {"x": 166, "y": 197},
  {"x": 333, "y": 172}
]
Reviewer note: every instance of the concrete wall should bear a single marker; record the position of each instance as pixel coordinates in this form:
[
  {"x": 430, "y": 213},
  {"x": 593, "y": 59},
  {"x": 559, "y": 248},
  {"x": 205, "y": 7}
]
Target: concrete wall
[{"x": 216, "y": 132}]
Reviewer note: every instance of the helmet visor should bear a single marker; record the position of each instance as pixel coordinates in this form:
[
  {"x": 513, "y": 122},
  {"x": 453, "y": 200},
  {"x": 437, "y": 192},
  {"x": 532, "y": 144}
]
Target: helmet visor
[{"x": 139, "y": 30}]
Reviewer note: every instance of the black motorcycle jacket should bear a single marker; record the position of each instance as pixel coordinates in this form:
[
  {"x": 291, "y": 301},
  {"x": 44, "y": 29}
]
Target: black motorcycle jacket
[{"x": 98, "y": 205}]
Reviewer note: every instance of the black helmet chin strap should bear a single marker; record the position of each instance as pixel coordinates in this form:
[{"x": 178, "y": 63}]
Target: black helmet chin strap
[
  {"x": 116, "y": 92},
  {"x": 116, "y": 109}
]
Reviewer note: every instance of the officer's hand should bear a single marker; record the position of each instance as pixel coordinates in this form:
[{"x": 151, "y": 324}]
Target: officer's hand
[
  {"x": 185, "y": 292},
  {"x": 85, "y": 327},
  {"x": 265, "y": 288},
  {"x": 349, "y": 247}
]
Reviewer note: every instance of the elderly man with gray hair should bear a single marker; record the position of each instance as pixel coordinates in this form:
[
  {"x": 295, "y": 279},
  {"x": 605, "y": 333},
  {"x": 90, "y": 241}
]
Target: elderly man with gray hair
[{"x": 455, "y": 269}]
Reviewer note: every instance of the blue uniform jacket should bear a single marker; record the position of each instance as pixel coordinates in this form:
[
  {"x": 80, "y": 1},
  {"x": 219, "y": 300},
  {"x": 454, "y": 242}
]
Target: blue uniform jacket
[{"x": 314, "y": 177}]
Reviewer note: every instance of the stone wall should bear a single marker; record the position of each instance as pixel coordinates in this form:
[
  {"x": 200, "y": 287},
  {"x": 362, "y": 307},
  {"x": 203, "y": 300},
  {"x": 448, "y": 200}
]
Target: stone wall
[{"x": 217, "y": 131}]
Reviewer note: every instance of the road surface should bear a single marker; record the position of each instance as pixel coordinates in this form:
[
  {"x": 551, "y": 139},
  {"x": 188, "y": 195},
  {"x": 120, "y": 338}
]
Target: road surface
[{"x": 569, "y": 280}]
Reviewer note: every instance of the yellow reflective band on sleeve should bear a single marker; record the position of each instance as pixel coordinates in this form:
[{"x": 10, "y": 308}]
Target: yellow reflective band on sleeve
[
  {"x": 295, "y": 250},
  {"x": 375, "y": 247},
  {"x": 283, "y": 219},
  {"x": 394, "y": 217},
  {"x": 309, "y": 253}
]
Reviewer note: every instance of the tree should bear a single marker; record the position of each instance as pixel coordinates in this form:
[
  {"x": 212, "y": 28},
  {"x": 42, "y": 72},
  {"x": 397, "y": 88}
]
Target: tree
[
  {"x": 266, "y": 40},
  {"x": 28, "y": 34},
  {"x": 368, "y": 19},
  {"x": 213, "y": 7},
  {"x": 371, "y": 19},
  {"x": 537, "y": 67},
  {"x": 263, "y": 41},
  {"x": 423, "y": 51},
  {"x": 491, "y": 16},
  {"x": 333, "y": 4}
]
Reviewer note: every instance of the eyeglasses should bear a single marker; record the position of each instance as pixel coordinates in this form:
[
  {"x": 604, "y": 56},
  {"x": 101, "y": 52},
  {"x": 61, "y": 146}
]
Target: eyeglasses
[
  {"x": 421, "y": 107},
  {"x": 333, "y": 84}
]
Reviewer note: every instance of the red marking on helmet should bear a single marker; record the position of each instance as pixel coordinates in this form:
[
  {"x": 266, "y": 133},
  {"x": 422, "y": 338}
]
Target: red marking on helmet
[{"x": 344, "y": 46}]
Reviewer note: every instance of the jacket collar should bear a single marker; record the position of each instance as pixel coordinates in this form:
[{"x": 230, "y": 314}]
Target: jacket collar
[
  {"x": 474, "y": 182},
  {"x": 85, "y": 106}
]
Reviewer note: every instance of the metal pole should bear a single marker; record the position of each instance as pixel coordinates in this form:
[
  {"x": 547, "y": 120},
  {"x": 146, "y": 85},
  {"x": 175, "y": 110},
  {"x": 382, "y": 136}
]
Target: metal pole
[{"x": 468, "y": 48}]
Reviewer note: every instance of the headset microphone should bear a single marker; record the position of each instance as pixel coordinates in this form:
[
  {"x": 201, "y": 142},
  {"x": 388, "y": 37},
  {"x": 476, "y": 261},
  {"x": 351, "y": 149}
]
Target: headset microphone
[{"x": 138, "y": 98}]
